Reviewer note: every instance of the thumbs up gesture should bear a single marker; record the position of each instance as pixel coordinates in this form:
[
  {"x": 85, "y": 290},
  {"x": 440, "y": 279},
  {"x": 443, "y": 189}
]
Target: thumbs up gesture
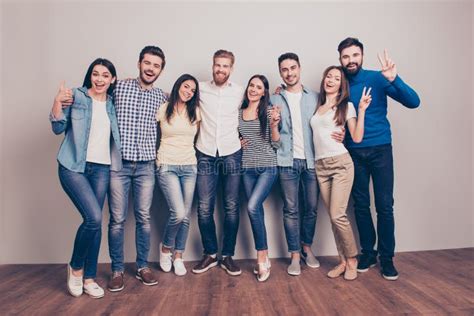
[{"x": 64, "y": 95}]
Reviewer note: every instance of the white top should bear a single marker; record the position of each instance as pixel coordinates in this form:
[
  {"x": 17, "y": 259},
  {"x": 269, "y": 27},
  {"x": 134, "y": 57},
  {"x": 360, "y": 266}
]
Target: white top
[
  {"x": 294, "y": 102},
  {"x": 98, "y": 148},
  {"x": 177, "y": 138},
  {"x": 219, "y": 118},
  {"x": 323, "y": 126}
]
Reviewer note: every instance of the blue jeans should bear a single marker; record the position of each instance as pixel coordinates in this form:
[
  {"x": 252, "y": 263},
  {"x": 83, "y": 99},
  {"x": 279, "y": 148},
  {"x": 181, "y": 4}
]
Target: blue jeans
[
  {"x": 210, "y": 169},
  {"x": 87, "y": 191},
  {"x": 258, "y": 184},
  {"x": 375, "y": 162},
  {"x": 140, "y": 177},
  {"x": 299, "y": 228},
  {"x": 177, "y": 183}
]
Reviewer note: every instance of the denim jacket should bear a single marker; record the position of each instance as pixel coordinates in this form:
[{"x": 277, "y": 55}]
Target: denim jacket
[
  {"x": 76, "y": 123},
  {"x": 309, "y": 100}
]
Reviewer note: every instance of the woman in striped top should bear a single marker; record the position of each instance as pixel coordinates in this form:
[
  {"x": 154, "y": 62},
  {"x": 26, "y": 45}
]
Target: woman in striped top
[{"x": 258, "y": 126}]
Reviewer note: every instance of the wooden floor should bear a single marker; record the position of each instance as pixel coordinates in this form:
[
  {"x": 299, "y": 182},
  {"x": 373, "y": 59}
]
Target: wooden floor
[{"x": 431, "y": 282}]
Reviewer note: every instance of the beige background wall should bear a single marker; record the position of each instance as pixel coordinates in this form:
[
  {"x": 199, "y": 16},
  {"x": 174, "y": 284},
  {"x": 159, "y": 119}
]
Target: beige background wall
[{"x": 42, "y": 44}]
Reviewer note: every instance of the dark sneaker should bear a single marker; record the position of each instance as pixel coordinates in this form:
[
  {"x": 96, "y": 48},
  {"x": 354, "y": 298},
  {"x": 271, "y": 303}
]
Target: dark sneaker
[
  {"x": 229, "y": 266},
  {"x": 205, "y": 264},
  {"x": 388, "y": 270},
  {"x": 365, "y": 262},
  {"x": 116, "y": 282},
  {"x": 146, "y": 276}
]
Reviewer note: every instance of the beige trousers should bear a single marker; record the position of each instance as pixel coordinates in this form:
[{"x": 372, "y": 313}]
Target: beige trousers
[{"x": 335, "y": 176}]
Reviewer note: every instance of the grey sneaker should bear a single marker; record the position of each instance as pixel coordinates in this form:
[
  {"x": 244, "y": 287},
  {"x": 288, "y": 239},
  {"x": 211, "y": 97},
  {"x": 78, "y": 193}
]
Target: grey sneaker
[
  {"x": 310, "y": 259},
  {"x": 294, "y": 268}
]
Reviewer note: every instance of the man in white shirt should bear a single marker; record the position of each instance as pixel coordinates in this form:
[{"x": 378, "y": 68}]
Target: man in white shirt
[{"x": 219, "y": 156}]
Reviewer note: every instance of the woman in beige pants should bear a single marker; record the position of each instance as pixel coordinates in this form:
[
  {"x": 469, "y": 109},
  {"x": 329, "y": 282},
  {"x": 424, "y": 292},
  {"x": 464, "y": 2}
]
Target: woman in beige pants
[{"x": 334, "y": 167}]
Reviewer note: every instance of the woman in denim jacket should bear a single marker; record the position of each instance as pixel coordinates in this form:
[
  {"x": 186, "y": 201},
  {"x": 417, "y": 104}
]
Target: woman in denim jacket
[{"x": 91, "y": 147}]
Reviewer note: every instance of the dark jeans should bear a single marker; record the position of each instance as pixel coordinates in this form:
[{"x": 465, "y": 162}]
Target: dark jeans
[
  {"x": 299, "y": 228},
  {"x": 87, "y": 191},
  {"x": 375, "y": 162},
  {"x": 209, "y": 170}
]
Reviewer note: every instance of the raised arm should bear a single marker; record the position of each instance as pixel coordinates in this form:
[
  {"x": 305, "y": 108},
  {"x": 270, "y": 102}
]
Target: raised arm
[
  {"x": 397, "y": 89},
  {"x": 275, "y": 119},
  {"x": 356, "y": 125},
  {"x": 61, "y": 108}
]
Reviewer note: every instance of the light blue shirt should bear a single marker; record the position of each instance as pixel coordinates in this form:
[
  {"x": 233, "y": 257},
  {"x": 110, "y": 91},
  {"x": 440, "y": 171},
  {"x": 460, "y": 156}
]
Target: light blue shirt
[
  {"x": 75, "y": 122},
  {"x": 308, "y": 103}
]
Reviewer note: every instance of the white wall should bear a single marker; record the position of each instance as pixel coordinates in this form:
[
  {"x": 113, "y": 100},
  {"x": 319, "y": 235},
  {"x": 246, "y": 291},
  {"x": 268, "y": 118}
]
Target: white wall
[{"x": 432, "y": 44}]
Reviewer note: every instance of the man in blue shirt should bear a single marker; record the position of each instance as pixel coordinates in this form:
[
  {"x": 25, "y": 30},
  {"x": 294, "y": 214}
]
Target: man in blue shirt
[
  {"x": 373, "y": 156},
  {"x": 295, "y": 159}
]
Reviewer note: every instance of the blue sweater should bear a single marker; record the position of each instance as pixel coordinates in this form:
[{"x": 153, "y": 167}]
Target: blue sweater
[{"x": 377, "y": 127}]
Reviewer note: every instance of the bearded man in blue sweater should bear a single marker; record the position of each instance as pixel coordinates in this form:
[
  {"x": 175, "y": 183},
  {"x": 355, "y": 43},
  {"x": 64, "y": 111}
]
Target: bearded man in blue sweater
[{"x": 373, "y": 156}]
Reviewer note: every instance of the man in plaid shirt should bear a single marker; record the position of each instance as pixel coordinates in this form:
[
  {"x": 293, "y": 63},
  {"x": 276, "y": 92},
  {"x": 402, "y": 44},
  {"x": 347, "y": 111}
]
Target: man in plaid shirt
[{"x": 136, "y": 102}]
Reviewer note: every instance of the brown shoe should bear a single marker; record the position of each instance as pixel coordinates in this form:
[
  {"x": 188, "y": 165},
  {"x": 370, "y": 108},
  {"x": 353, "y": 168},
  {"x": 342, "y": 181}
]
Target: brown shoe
[
  {"x": 116, "y": 282},
  {"x": 337, "y": 271},
  {"x": 351, "y": 271},
  {"x": 205, "y": 264},
  {"x": 146, "y": 276}
]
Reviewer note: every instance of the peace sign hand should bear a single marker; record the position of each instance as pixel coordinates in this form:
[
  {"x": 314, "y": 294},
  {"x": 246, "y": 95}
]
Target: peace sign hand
[
  {"x": 389, "y": 70},
  {"x": 365, "y": 99},
  {"x": 64, "y": 95}
]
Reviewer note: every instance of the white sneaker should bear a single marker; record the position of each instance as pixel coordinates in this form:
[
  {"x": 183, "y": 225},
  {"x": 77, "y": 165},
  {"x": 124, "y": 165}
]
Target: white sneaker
[
  {"x": 264, "y": 270},
  {"x": 74, "y": 283},
  {"x": 94, "y": 290},
  {"x": 179, "y": 268},
  {"x": 166, "y": 260}
]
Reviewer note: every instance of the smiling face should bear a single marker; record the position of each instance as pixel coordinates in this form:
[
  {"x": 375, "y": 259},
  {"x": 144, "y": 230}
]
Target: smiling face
[
  {"x": 186, "y": 90},
  {"x": 332, "y": 81},
  {"x": 221, "y": 70},
  {"x": 150, "y": 68},
  {"x": 351, "y": 59},
  {"x": 255, "y": 90},
  {"x": 290, "y": 72},
  {"x": 101, "y": 79}
]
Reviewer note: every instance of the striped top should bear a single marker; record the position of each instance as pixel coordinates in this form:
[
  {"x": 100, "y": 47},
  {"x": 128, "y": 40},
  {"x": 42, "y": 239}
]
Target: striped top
[{"x": 260, "y": 151}]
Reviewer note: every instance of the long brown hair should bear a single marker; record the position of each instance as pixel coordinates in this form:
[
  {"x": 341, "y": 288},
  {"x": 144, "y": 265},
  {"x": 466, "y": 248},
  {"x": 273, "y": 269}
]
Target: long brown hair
[{"x": 342, "y": 96}]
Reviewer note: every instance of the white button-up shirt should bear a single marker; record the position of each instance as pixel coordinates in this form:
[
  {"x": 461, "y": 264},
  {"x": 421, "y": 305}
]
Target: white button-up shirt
[{"x": 220, "y": 118}]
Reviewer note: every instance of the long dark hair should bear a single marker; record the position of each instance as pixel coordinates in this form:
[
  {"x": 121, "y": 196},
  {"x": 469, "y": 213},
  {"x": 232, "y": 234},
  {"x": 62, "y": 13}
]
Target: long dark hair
[
  {"x": 342, "y": 96},
  {"x": 262, "y": 104},
  {"x": 107, "y": 64},
  {"x": 191, "y": 105}
]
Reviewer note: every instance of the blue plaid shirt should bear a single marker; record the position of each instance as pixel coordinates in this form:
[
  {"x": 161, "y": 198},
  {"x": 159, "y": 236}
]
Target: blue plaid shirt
[{"x": 136, "y": 114}]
